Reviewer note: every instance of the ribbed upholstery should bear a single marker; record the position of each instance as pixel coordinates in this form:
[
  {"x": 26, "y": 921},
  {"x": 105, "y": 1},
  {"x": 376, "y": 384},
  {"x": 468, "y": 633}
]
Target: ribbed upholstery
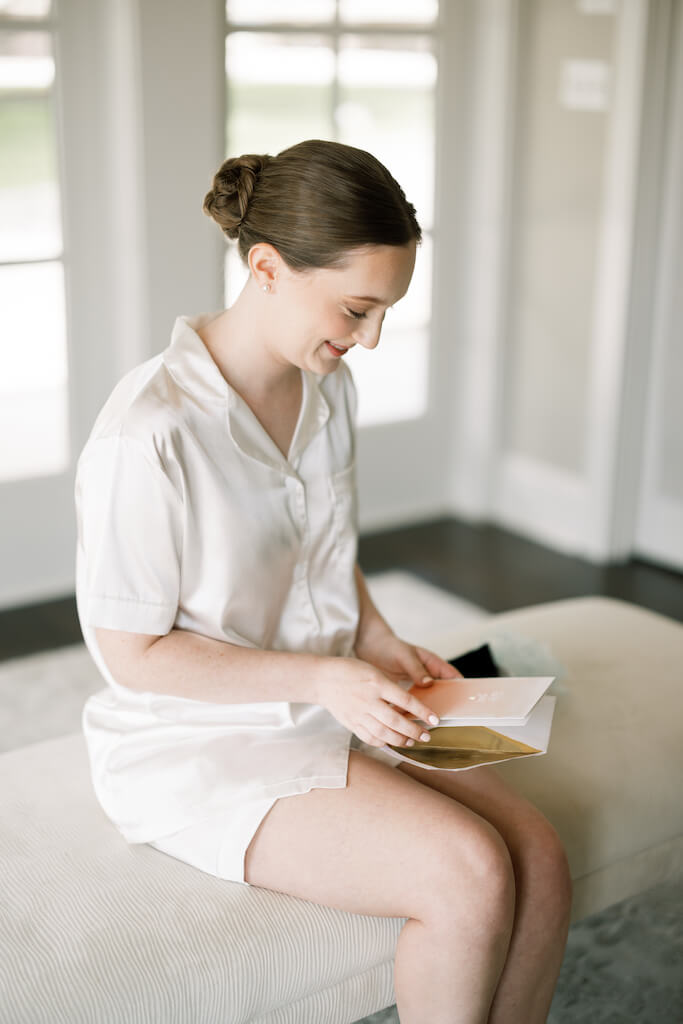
[
  {"x": 348, "y": 1000},
  {"x": 93, "y": 931},
  {"x": 610, "y": 782}
]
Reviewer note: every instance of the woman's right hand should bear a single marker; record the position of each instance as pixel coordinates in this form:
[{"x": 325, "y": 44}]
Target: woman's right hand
[{"x": 361, "y": 697}]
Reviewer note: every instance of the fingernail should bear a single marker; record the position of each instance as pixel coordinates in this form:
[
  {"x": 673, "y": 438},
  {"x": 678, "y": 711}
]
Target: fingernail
[
  {"x": 434, "y": 719},
  {"x": 425, "y": 737},
  {"x": 410, "y": 743},
  {"x": 427, "y": 679}
]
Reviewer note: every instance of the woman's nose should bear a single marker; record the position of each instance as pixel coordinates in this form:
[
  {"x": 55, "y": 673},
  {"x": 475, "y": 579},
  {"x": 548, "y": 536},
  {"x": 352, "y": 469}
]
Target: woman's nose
[{"x": 367, "y": 334}]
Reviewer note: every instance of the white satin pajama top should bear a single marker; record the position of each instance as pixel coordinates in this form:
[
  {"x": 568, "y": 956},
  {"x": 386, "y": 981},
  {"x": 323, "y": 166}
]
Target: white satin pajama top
[{"x": 189, "y": 517}]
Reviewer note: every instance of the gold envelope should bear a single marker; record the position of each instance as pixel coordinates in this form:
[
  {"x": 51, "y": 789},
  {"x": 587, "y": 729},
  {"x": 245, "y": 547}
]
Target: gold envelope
[{"x": 464, "y": 746}]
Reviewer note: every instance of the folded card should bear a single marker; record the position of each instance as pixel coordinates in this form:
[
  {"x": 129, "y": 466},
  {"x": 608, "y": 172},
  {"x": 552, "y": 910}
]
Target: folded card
[{"x": 500, "y": 700}]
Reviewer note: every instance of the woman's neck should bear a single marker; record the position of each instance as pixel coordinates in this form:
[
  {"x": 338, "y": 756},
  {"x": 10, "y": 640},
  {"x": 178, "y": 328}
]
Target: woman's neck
[{"x": 237, "y": 341}]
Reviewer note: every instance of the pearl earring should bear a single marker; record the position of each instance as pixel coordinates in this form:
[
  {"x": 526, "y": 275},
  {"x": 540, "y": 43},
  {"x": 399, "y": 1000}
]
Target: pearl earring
[{"x": 265, "y": 287}]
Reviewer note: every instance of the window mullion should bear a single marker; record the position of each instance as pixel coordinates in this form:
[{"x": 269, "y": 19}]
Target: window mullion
[
  {"x": 295, "y": 28},
  {"x": 25, "y": 262},
  {"x": 25, "y": 25},
  {"x": 334, "y": 92}
]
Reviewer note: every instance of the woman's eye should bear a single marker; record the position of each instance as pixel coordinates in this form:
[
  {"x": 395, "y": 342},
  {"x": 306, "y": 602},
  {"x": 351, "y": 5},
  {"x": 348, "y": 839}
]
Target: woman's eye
[{"x": 355, "y": 314}]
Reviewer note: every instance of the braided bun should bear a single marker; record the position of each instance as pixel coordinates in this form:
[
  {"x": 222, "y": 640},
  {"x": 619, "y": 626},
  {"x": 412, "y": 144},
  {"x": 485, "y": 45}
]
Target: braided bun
[
  {"x": 233, "y": 185},
  {"x": 314, "y": 203}
]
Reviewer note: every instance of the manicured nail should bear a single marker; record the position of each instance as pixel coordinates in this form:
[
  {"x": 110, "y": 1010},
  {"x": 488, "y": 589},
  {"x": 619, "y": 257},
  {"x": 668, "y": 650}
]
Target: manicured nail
[
  {"x": 410, "y": 743},
  {"x": 427, "y": 679},
  {"x": 434, "y": 719},
  {"x": 425, "y": 737}
]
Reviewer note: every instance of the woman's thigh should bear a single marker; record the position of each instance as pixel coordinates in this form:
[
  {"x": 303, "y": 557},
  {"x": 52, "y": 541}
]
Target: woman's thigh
[
  {"x": 385, "y": 845},
  {"x": 526, "y": 831}
]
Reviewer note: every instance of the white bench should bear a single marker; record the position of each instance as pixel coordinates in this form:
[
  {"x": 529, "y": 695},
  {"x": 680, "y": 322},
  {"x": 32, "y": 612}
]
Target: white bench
[{"x": 93, "y": 930}]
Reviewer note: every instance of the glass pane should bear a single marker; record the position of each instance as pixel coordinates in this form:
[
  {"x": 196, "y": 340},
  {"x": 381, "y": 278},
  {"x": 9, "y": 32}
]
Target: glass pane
[
  {"x": 259, "y": 12},
  {"x": 279, "y": 90},
  {"x": 386, "y": 105},
  {"x": 26, "y": 61},
  {"x": 24, "y": 8},
  {"x": 33, "y": 385},
  {"x": 236, "y": 273},
  {"x": 402, "y": 356},
  {"x": 29, "y": 191},
  {"x": 392, "y": 380},
  {"x": 415, "y": 309},
  {"x": 413, "y": 12}
]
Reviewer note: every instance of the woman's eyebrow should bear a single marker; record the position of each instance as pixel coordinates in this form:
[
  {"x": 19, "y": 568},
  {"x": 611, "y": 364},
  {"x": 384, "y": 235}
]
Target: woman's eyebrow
[{"x": 366, "y": 298}]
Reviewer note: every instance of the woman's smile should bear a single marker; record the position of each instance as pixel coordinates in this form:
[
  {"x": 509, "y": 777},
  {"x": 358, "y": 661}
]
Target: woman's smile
[{"x": 337, "y": 350}]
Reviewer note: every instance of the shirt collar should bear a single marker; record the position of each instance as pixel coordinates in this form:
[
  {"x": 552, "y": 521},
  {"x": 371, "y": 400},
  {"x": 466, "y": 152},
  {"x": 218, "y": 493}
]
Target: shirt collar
[
  {"x": 191, "y": 366},
  {"x": 188, "y": 361}
]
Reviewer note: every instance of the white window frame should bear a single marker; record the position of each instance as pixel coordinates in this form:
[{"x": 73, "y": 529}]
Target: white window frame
[
  {"x": 45, "y": 25},
  {"x": 334, "y": 30}
]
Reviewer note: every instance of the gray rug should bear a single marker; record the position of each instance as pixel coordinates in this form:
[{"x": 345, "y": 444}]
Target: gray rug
[{"x": 622, "y": 966}]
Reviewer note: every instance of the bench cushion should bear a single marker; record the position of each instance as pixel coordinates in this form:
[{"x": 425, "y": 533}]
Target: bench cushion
[
  {"x": 95, "y": 930},
  {"x": 610, "y": 782}
]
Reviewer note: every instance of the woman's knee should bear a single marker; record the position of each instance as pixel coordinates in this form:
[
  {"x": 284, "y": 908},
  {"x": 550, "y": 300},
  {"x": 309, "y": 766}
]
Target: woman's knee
[
  {"x": 479, "y": 881},
  {"x": 547, "y": 872}
]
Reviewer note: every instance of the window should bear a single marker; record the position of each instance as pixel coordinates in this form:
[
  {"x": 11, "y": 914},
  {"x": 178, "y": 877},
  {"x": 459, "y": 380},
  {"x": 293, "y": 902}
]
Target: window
[
  {"x": 33, "y": 381},
  {"x": 362, "y": 72}
]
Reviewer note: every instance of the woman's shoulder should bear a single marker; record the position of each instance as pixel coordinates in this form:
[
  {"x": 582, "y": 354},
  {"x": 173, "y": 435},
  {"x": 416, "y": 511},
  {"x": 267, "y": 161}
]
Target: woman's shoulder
[
  {"x": 138, "y": 421},
  {"x": 140, "y": 404}
]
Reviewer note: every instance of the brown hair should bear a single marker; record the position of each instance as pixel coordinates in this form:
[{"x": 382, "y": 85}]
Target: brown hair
[{"x": 314, "y": 202}]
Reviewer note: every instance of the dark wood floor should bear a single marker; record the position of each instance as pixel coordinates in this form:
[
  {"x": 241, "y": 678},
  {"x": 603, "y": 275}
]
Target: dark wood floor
[
  {"x": 485, "y": 564},
  {"x": 500, "y": 570}
]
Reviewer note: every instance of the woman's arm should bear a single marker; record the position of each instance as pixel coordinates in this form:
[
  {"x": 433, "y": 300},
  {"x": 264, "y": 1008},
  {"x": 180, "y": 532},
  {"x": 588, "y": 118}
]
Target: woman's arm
[
  {"x": 185, "y": 664},
  {"x": 377, "y": 644},
  {"x": 371, "y": 626}
]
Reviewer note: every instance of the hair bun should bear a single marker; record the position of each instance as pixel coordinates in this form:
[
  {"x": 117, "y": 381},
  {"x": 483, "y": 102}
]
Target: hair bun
[{"x": 233, "y": 185}]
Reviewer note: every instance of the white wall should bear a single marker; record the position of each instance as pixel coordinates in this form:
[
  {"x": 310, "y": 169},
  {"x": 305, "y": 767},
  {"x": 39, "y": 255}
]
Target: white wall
[
  {"x": 555, "y": 307},
  {"x": 659, "y": 516},
  {"x": 182, "y": 100}
]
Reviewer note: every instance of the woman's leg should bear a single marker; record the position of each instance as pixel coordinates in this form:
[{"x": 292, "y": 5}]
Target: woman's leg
[
  {"x": 543, "y": 888},
  {"x": 389, "y": 846}
]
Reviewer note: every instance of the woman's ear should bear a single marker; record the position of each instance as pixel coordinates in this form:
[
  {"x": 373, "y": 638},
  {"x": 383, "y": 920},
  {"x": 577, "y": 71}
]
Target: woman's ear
[{"x": 265, "y": 263}]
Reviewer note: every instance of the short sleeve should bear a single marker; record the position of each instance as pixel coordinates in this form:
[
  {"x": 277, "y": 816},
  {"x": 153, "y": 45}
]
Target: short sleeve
[{"x": 129, "y": 520}]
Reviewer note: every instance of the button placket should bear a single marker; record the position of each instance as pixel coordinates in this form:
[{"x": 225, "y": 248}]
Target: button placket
[
  {"x": 302, "y": 582},
  {"x": 297, "y": 504}
]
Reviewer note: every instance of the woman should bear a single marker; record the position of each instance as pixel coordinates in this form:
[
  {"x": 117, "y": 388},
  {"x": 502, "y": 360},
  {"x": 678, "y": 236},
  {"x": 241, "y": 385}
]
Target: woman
[{"x": 252, "y": 682}]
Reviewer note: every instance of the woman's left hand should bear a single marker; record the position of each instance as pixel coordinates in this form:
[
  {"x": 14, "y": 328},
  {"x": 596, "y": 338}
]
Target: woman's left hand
[{"x": 398, "y": 659}]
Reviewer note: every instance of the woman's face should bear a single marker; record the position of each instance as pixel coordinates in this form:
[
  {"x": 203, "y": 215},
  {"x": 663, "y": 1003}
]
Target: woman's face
[{"x": 323, "y": 313}]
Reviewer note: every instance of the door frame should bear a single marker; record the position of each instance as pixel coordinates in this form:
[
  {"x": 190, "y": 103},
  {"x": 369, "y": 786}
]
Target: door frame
[{"x": 659, "y": 519}]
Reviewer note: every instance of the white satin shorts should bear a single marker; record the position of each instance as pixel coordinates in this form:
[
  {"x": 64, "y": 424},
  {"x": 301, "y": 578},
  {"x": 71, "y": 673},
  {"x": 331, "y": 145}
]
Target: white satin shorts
[{"x": 218, "y": 844}]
